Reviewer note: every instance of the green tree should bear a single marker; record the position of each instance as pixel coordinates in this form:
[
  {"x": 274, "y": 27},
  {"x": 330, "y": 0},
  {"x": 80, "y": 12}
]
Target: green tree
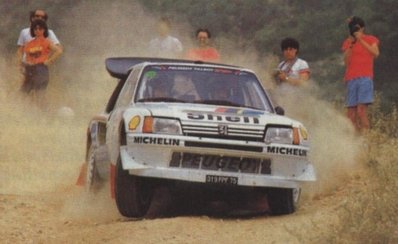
[{"x": 320, "y": 26}]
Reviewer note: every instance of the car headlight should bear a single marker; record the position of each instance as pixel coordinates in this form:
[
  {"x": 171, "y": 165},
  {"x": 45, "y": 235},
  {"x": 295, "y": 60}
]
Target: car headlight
[
  {"x": 161, "y": 126},
  {"x": 282, "y": 135}
]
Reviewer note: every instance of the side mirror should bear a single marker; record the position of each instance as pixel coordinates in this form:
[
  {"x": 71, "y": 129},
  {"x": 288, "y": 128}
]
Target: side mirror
[{"x": 279, "y": 110}]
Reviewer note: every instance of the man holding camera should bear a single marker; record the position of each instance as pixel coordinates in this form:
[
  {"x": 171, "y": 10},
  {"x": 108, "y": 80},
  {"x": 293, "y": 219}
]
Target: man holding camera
[
  {"x": 292, "y": 70},
  {"x": 359, "y": 52}
]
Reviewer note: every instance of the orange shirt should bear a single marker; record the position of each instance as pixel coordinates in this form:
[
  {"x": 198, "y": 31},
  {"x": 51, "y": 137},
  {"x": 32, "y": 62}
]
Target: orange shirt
[
  {"x": 37, "y": 50},
  {"x": 203, "y": 54},
  {"x": 360, "y": 64}
]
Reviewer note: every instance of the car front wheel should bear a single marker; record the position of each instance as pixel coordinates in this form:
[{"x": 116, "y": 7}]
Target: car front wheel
[
  {"x": 281, "y": 200},
  {"x": 93, "y": 181},
  {"x": 133, "y": 193}
]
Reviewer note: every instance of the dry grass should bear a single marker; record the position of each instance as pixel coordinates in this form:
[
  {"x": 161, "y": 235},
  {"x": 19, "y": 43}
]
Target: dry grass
[
  {"x": 368, "y": 214},
  {"x": 357, "y": 175}
]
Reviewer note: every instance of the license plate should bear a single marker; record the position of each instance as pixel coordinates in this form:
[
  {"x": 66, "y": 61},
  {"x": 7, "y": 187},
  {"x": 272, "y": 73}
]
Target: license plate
[
  {"x": 223, "y": 163},
  {"x": 218, "y": 179}
]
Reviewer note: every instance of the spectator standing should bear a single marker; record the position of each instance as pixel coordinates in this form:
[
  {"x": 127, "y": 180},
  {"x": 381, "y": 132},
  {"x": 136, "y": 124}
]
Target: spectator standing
[
  {"x": 25, "y": 35},
  {"x": 359, "y": 51},
  {"x": 203, "y": 51},
  {"x": 40, "y": 52},
  {"x": 292, "y": 70},
  {"x": 165, "y": 45}
]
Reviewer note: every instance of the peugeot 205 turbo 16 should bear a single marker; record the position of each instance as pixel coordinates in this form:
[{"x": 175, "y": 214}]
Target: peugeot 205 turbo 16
[{"x": 178, "y": 122}]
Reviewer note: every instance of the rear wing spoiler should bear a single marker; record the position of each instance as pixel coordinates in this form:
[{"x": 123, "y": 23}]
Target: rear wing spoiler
[{"x": 120, "y": 67}]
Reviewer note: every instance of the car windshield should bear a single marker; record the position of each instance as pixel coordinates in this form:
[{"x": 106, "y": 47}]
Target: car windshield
[{"x": 201, "y": 85}]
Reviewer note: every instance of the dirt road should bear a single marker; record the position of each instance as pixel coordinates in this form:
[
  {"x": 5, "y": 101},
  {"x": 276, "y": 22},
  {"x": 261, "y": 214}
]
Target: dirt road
[
  {"x": 41, "y": 153},
  {"x": 39, "y": 202},
  {"x": 69, "y": 216}
]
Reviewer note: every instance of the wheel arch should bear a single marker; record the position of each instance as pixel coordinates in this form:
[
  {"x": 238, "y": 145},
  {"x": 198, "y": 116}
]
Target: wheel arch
[
  {"x": 88, "y": 141},
  {"x": 122, "y": 134},
  {"x": 122, "y": 141}
]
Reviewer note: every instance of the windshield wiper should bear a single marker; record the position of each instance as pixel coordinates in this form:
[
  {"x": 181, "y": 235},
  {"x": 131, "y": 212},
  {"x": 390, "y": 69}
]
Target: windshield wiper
[{"x": 161, "y": 99}]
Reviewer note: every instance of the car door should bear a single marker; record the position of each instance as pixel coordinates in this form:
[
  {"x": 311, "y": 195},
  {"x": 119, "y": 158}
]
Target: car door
[
  {"x": 97, "y": 133},
  {"x": 114, "y": 125}
]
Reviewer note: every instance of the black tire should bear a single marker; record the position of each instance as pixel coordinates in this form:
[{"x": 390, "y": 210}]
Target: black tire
[
  {"x": 93, "y": 182},
  {"x": 133, "y": 194},
  {"x": 281, "y": 201}
]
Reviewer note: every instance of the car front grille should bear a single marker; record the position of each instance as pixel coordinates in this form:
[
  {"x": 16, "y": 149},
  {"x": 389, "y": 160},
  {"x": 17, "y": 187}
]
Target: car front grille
[
  {"x": 224, "y": 131},
  {"x": 223, "y": 146}
]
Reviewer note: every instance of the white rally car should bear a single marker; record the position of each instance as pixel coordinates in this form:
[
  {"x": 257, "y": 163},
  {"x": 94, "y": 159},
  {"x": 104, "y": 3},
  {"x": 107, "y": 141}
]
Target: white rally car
[{"x": 185, "y": 122}]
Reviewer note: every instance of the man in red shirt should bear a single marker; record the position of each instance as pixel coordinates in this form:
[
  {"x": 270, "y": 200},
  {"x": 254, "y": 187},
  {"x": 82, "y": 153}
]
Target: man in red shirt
[
  {"x": 359, "y": 52},
  {"x": 204, "y": 51}
]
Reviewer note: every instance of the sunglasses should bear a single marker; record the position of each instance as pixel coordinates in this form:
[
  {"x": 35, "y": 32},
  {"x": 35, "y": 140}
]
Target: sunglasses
[{"x": 38, "y": 28}]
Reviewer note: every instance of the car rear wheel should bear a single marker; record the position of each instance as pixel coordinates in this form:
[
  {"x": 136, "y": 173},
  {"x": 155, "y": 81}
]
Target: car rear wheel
[
  {"x": 133, "y": 194},
  {"x": 281, "y": 200},
  {"x": 93, "y": 181}
]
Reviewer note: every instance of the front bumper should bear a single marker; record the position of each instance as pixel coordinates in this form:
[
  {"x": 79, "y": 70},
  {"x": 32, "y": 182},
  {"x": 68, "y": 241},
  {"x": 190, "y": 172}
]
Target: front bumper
[{"x": 151, "y": 155}]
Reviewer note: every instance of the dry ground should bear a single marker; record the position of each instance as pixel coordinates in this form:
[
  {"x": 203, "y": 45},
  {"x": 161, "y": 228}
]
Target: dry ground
[{"x": 353, "y": 200}]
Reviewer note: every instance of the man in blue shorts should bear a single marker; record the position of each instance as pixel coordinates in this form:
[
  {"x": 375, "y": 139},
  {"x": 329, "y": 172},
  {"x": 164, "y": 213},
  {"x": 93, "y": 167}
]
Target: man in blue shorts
[{"x": 359, "y": 52}]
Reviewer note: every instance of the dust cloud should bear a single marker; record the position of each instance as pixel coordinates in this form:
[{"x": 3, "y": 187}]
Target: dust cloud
[
  {"x": 336, "y": 149},
  {"x": 42, "y": 151}
]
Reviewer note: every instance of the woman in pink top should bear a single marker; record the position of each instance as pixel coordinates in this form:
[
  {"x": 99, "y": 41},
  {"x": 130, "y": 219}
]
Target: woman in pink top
[{"x": 204, "y": 52}]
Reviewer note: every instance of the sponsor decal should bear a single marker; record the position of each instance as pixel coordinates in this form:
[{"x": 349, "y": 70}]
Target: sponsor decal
[
  {"x": 303, "y": 133},
  {"x": 223, "y": 71},
  {"x": 156, "y": 140},
  {"x": 200, "y": 69},
  {"x": 287, "y": 151},
  {"x": 220, "y": 118},
  {"x": 203, "y": 69},
  {"x": 134, "y": 122},
  {"x": 179, "y": 68},
  {"x": 223, "y": 163},
  {"x": 151, "y": 74}
]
